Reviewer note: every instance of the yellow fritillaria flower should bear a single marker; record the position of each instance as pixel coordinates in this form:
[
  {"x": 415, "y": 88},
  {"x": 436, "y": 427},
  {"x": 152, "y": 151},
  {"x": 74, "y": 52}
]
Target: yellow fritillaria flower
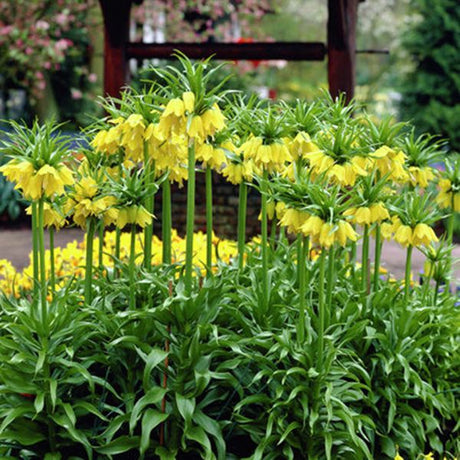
[
  {"x": 135, "y": 214},
  {"x": 213, "y": 120},
  {"x": 444, "y": 199},
  {"x": 403, "y": 235},
  {"x": 423, "y": 234},
  {"x": 51, "y": 217},
  {"x": 293, "y": 219},
  {"x": 391, "y": 162},
  {"x": 302, "y": 145},
  {"x": 367, "y": 215},
  {"x": 421, "y": 176},
  {"x": 189, "y": 101},
  {"x": 271, "y": 157}
]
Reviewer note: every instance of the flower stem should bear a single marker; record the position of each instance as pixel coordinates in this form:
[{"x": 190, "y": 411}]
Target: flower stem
[
  {"x": 365, "y": 262},
  {"x": 41, "y": 252},
  {"x": 378, "y": 255},
  {"x": 242, "y": 208},
  {"x": 450, "y": 238},
  {"x": 149, "y": 170},
  {"x": 101, "y": 247},
  {"x": 52, "y": 266},
  {"x": 329, "y": 284},
  {"x": 190, "y": 219},
  {"x": 117, "y": 249},
  {"x": 301, "y": 256},
  {"x": 131, "y": 268},
  {"x": 91, "y": 228},
  {"x": 35, "y": 248},
  {"x": 209, "y": 220},
  {"x": 408, "y": 272},
  {"x": 264, "y": 235},
  {"x": 321, "y": 308},
  {"x": 166, "y": 221}
]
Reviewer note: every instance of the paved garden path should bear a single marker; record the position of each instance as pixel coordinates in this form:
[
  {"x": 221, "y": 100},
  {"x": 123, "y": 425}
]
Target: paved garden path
[{"x": 15, "y": 245}]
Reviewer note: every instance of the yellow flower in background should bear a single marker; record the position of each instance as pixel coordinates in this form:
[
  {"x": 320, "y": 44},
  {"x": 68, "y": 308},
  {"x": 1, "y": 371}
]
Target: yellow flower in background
[
  {"x": 135, "y": 214},
  {"x": 345, "y": 232},
  {"x": 237, "y": 172}
]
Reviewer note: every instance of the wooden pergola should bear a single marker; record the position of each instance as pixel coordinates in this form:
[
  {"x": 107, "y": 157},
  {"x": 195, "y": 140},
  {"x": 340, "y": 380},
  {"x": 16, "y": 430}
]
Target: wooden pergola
[{"x": 340, "y": 49}]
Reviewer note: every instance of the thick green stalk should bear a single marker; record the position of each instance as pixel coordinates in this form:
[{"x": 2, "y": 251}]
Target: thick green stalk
[
  {"x": 408, "y": 272},
  {"x": 52, "y": 267},
  {"x": 329, "y": 284},
  {"x": 321, "y": 308},
  {"x": 91, "y": 229},
  {"x": 273, "y": 229},
  {"x": 242, "y": 208},
  {"x": 35, "y": 249},
  {"x": 166, "y": 221},
  {"x": 377, "y": 258},
  {"x": 117, "y": 249},
  {"x": 209, "y": 220},
  {"x": 301, "y": 256},
  {"x": 42, "y": 263},
  {"x": 365, "y": 262},
  {"x": 149, "y": 171},
  {"x": 450, "y": 237},
  {"x": 190, "y": 219},
  {"x": 101, "y": 247},
  {"x": 264, "y": 236},
  {"x": 132, "y": 268}
]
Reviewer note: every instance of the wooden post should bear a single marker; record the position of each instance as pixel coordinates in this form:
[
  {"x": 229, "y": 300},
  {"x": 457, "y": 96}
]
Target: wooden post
[
  {"x": 341, "y": 47},
  {"x": 116, "y": 15}
]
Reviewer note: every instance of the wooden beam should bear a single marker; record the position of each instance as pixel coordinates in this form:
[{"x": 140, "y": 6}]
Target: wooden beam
[
  {"x": 289, "y": 51},
  {"x": 341, "y": 47},
  {"x": 116, "y": 27}
]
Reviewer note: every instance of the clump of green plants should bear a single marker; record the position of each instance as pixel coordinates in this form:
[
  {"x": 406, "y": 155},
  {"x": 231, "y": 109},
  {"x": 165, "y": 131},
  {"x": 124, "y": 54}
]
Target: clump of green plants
[{"x": 284, "y": 346}]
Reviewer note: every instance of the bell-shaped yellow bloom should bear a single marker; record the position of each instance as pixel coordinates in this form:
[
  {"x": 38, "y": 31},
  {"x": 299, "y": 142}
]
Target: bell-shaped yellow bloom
[
  {"x": 379, "y": 212},
  {"x": 189, "y": 101},
  {"x": 135, "y": 214},
  {"x": 213, "y": 120},
  {"x": 423, "y": 234},
  {"x": 421, "y": 176},
  {"x": 174, "y": 107},
  {"x": 403, "y": 235},
  {"x": 195, "y": 129},
  {"x": 312, "y": 226},
  {"x": 345, "y": 232},
  {"x": 293, "y": 220}
]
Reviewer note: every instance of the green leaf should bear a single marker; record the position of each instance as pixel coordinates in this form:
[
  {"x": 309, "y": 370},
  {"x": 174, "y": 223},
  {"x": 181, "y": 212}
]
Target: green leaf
[
  {"x": 120, "y": 445},
  {"x": 197, "y": 434},
  {"x": 53, "y": 456},
  {"x": 39, "y": 402},
  {"x": 150, "y": 420},
  {"x": 53, "y": 393},
  {"x": 10, "y": 415},
  {"x": 153, "y": 396},
  {"x": 166, "y": 454},
  {"x": 186, "y": 407},
  {"x": 212, "y": 427},
  {"x": 155, "y": 357}
]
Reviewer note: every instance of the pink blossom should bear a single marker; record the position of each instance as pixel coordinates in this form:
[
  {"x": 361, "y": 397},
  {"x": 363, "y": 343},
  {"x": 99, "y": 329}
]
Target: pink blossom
[
  {"x": 42, "y": 25},
  {"x": 76, "y": 93},
  {"x": 29, "y": 51},
  {"x": 92, "y": 78}
]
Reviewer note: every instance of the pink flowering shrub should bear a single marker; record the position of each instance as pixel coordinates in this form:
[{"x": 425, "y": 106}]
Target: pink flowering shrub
[{"x": 36, "y": 39}]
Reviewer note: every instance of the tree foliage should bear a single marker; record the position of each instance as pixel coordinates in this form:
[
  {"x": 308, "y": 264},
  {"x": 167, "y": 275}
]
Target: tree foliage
[{"x": 431, "y": 91}]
